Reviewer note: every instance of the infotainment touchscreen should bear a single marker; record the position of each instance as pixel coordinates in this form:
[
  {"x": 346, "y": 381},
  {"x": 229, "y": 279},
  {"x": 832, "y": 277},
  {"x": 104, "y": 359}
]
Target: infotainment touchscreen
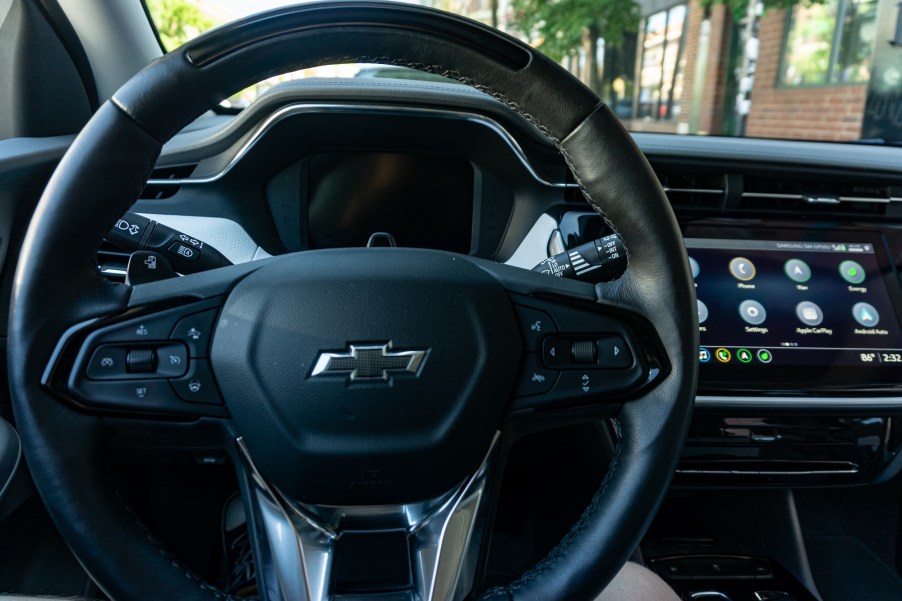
[{"x": 806, "y": 310}]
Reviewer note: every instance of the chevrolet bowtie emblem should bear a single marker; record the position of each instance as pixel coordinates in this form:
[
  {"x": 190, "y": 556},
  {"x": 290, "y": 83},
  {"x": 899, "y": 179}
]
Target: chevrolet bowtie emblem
[{"x": 362, "y": 363}]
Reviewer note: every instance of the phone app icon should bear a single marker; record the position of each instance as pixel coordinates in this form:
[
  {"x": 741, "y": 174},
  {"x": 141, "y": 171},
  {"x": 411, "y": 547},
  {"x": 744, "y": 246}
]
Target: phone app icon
[
  {"x": 742, "y": 269},
  {"x": 723, "y": 355}
]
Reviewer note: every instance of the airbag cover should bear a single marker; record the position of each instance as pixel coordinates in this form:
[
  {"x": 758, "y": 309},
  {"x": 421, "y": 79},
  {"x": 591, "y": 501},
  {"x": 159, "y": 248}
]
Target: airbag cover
[{"x": 332, "y": 440}]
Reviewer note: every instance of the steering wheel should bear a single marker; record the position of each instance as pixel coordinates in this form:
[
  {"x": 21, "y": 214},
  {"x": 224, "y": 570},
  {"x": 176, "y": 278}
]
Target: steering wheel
[{"x": 370, "y": 395}]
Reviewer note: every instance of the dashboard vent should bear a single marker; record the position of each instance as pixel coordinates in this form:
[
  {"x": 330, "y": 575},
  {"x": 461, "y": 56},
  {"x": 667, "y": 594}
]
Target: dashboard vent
[
  {"x": 694, "y": 190},
  {"x": 814, "y": 196},
  {"x": 156, "y": 189}
]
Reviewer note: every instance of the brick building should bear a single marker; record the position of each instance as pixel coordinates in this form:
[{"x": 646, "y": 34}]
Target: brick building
[{"x": 802, "y": 73}]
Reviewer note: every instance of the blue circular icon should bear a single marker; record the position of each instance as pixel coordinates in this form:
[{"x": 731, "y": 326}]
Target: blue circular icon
[
  {"x": 693, "y": 265},
  {"x": 704, "y": 355}
]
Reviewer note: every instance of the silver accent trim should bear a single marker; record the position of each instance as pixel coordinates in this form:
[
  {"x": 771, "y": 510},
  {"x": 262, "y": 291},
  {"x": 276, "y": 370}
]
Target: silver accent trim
[
  {"x": 705, "y": 472},
  {"x": 820, "y": 199},
  {"x": 445, "y": 536},
  {"x": 705, "y": 595},
  {"x": 791, "y": 402},
  {"x": 300, "y": 108},
  {"x": 695, "y": 190},
  {"x": 331, "y": 363}
]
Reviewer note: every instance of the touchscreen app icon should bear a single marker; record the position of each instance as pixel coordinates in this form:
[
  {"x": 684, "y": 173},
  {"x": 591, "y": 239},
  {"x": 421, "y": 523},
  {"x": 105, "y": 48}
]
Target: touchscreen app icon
[
  {"x": 764, "y": 356},
  {"x": 866, "y": 314},
  {"x": 723, "y": 355},
  {"x": 742, "y": 269},
  {"x": 704, "y": 355},
  {"x": 797, "y": 270},
  {"x": 851, "y": 272},
  {"x": 752, "y": 312},
  {"x": 809, "y": 313},
  {"x": 744, "y": 355}
]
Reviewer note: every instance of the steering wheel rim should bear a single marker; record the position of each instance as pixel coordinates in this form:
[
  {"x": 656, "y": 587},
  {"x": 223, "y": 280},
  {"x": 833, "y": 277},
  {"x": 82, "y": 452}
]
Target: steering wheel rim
[{"x": 106, "y": 168}]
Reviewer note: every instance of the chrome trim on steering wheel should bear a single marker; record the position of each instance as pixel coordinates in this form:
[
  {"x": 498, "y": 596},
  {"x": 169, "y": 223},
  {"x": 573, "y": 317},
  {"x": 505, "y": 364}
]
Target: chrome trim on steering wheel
[{"x": 445, "y": 535}]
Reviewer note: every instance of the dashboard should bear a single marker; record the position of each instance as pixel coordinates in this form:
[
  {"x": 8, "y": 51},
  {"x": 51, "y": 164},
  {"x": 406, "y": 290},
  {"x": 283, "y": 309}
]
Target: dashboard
[{"x": 795, "y": 248}]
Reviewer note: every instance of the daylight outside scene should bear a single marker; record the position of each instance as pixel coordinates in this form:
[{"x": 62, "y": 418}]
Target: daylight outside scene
[{"x": 795, "y": 69}]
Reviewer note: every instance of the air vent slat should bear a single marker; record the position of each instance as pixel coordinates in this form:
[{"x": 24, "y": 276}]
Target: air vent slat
[
  {"x": 164, "y": 175},
  {"x": 813, "y": 196},
  {"x": 694, "y": 191}
]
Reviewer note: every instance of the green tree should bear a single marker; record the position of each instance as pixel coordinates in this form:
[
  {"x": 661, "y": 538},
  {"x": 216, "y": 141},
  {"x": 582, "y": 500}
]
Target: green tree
[
  {"x": 178, "y": 20},
  {"x": 561, "y": 28}
]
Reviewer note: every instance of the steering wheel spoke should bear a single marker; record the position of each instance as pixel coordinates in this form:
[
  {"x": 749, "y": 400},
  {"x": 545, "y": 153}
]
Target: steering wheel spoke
[
  {"x": 151, "y": 357},
  {"x": 578, "y": 350},
  {"x": 422, "y": 550}
]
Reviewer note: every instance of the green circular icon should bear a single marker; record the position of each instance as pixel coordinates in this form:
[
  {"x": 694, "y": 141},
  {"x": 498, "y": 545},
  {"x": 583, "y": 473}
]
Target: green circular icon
[
  {"x": 797, "y": 270},
  {"x": 744, "y": 355},
  {"x": 851, "y": 272},
  {"x": 764, "y": 356}
]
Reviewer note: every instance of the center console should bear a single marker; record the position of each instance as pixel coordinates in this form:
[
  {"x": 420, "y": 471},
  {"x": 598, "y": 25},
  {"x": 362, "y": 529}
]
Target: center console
[{"x": 800, "y": 356}]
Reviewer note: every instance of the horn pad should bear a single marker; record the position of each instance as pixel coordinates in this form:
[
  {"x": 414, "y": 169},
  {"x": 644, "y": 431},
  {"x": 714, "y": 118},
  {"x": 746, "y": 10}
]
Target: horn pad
[{"x": 367, "y": 376}]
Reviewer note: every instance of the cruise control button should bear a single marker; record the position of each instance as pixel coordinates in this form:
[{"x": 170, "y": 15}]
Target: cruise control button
[
  {"x": 148, "y": 395},
  {"x": 534, "y": 324},
  {"x": 150, "y": 327},
  {"x": 108, "y": 362},
  {"x": 613, "y": 353},
  {"x": 172, "y": 360},
  {"x": 534, "y": 377},
  {"x": 198, "y": 385},
  {"x": 196, "y": 331}
]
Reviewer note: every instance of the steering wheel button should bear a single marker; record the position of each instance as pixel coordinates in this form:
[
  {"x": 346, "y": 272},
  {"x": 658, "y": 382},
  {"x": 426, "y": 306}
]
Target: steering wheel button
[
  {"x": 140, "y": 361},
  {"x": 198, "y": 385},
  {"x": 556, "y": 352},
  {"x": 583, "y": 352},
  {"x": 172, "y": 360},
  {"x": 534, "y": 378},
  {"x": 143, "y": 395},
  {"x": 108, "y": 362},
  {"x": 195, "y": 331},
  {"x": 534, "y": 324},
  {"x": 613, "y": 353}
]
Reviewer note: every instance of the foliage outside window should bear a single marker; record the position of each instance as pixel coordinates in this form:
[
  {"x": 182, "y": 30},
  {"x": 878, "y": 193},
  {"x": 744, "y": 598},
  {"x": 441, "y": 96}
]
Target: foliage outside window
[
  {"x": 661, "y": 71},
  {"x": 829, "y": 43}
]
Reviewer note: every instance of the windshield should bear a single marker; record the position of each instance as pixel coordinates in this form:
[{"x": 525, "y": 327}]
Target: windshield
[{"x": 827, "y": 70}]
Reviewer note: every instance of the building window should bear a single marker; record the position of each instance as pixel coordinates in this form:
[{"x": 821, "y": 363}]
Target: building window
[
  {"x": 829, "y": 43},
  {"x": 661, "y": 69}
]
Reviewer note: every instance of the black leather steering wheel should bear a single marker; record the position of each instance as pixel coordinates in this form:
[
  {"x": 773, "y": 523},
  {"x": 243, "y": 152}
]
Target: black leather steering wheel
[{"x": 320, "y": 453}]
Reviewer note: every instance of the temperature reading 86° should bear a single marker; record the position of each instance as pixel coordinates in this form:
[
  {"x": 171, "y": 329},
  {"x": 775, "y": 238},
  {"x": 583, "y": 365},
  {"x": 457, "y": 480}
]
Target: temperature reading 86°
[{"x": 868, "y": 357}]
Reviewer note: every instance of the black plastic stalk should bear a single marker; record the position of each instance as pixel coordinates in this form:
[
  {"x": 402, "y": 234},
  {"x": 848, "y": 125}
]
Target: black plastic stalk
[
  {"x": 185, "y": 253},
  {"x": 601, "y": 260}
]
